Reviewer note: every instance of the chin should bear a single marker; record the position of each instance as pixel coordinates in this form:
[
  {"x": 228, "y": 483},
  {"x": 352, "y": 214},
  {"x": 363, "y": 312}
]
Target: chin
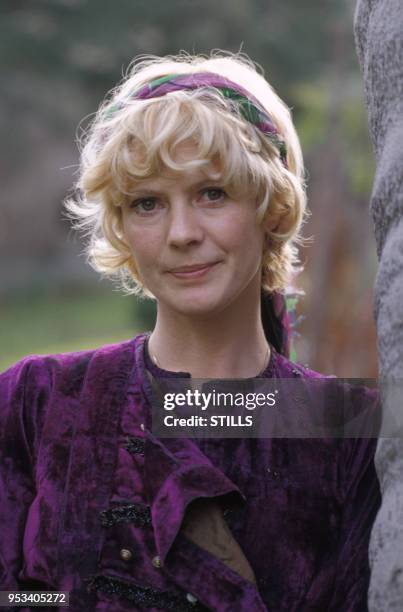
[
  {"x": 195, "y": 309},
  {"x": 200, "y": 305}
]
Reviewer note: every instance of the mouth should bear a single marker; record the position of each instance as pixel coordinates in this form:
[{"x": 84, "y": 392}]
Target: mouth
[{"x": 194, "y": 271}]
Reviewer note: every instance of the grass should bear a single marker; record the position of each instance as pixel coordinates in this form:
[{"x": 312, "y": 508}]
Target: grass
[{"x": 59, "y": 322}]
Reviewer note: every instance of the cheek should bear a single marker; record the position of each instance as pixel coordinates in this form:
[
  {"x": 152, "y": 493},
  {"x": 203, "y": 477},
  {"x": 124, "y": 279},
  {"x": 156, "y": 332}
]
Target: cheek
[
  {"x": 144, "y": 245},
  {"x": 243, "y": 236}
]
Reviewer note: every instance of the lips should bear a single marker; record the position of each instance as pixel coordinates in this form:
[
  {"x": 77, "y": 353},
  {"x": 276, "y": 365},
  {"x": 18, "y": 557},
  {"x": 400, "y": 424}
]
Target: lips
[
  {"x": 195, "y": 271},
  {"x": 194, "y": 268}
]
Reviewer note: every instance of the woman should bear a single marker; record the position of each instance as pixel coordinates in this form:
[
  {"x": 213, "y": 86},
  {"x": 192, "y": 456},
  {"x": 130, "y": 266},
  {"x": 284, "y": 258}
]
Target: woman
[{"x": 192, "y": 192}]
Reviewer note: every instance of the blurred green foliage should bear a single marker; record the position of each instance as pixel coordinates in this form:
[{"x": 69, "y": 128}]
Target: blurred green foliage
[
  {"x": 91, "y": 40},
  {"x": 316, "y": 122},
  {"x": 58, "y": 322}
]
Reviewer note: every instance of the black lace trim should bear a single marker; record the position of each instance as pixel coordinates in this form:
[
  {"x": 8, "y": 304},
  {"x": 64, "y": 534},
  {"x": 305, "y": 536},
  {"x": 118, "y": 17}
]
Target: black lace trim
[
  {"x": 134, "y": 445},
  {"x": 144, "y": 597},
  {"x": 129, "y": 513}
]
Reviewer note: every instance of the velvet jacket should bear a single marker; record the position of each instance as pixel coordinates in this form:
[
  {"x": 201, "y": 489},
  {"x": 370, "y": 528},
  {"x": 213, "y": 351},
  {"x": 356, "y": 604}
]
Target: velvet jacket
[{"x": 72, "y": 426}]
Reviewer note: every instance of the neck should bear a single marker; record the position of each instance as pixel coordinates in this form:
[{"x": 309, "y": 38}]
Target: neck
[{"x": 229, "y": 345}]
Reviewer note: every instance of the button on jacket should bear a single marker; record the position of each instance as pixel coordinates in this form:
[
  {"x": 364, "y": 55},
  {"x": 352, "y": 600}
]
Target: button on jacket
[{"x": 91, "y": 502}]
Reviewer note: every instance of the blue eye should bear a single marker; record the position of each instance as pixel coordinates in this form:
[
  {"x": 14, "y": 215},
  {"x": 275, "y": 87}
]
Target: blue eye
[
  {"x": 144, "y": 205},
  {"x": 214, "y": 194}
]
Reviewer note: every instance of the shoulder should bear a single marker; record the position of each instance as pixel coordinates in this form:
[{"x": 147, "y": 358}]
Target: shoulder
[
  {"x": 356, "y": 389},
  {"x": 48, "y": 369},
  {"x": 49, "y": 390},
  {"x": 286, "y": 368},
  {"x": 350, "y": 408},
  {"x": 42, "y": 370},
  {"x": 31, "y": 383}
]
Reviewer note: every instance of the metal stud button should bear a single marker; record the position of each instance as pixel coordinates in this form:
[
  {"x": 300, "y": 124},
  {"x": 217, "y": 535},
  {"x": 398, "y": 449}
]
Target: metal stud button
[
  {"x": 142, "y": 426},
  {"x": 126, "y": 554},
  {"x": 191, "y": 598},
  {"x": 156, "y": 561}
]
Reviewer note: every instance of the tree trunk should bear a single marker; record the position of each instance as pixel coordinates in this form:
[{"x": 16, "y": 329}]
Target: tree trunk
[{"x": 379, "y": 41}]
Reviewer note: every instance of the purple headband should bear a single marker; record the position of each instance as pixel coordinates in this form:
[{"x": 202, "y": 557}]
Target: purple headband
[{"x": 248, "y": 106}]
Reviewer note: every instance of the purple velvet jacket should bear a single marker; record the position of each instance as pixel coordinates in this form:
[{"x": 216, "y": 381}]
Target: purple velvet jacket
[{"x": 301, "y": 509}]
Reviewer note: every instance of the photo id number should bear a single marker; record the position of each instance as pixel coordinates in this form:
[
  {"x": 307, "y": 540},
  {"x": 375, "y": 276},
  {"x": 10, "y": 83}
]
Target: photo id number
[{"x": 34, "y": 598}]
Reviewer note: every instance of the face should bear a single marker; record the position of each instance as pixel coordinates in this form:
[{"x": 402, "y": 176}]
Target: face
[{"x": 197, "y": 249}]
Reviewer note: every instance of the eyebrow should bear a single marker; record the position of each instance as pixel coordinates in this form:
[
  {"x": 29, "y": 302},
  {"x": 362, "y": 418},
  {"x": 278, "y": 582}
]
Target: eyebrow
[{"x": 145, "y": 189}]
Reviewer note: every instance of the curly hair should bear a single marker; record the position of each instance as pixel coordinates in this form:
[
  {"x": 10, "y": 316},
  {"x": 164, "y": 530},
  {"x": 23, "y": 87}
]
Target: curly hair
[{"x": 131, "y": 139}]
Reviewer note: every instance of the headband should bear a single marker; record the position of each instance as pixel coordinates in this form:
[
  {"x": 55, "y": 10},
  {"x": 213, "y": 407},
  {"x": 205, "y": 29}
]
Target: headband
[{"x": 248, "y": 106}]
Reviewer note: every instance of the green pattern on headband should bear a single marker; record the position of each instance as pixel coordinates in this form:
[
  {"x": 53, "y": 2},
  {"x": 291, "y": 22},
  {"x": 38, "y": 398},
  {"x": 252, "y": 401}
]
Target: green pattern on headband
[
  {"x": 248, "y": 106},
  {"x": 157, "y": 82}
]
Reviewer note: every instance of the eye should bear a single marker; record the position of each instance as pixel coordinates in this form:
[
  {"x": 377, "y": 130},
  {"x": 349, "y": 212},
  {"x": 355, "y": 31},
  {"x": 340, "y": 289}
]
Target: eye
[
  {"x": 214, "y": 194},
  {"x": 144, "y": 205}
]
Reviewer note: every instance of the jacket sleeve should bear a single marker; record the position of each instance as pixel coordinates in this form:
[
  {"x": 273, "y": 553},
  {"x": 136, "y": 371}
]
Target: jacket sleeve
[
  {"x": 18, "y": 432},
  {"x": 362, "y": 498}
]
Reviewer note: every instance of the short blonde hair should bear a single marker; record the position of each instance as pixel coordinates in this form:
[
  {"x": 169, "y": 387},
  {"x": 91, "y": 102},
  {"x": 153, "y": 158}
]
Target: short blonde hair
[{"x": 131, "y": 139}]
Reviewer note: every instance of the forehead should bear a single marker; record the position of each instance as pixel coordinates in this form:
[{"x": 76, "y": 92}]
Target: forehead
[
  {"x": 187, "y": 179},
  {"x": 187, "y": 168}
]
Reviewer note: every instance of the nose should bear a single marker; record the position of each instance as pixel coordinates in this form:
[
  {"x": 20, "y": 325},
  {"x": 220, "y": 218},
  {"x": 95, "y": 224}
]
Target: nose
[{"x": 184, "y": 226}]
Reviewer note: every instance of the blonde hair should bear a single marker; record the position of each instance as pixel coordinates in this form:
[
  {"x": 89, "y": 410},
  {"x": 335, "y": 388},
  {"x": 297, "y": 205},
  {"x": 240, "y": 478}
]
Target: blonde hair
[{"x": 131, "y": 139}]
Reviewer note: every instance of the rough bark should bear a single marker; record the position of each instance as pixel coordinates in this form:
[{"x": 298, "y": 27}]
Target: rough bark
[{"x": 379, "y": 41}]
